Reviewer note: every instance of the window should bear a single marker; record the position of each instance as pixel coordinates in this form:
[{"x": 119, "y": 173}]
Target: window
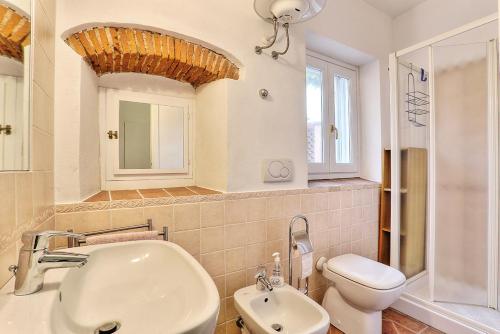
[{"x": 332, "y": 119}]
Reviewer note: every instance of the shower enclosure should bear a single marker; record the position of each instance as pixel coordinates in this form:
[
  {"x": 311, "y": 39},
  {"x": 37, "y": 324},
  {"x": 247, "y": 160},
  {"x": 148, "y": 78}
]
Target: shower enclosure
[{"x": 444, "y": 178}]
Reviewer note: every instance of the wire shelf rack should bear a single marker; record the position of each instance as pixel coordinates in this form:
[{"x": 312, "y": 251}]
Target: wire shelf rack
[{"x": 417, "y": 101}]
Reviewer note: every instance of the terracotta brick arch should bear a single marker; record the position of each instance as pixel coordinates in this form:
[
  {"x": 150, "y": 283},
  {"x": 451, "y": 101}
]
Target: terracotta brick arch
[
  {"x": 15, "y": 30},
  {"x": 119, "y": 49}
]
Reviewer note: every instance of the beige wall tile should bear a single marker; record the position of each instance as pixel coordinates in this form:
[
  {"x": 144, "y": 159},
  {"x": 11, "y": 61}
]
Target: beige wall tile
[
  {"x": 212, "y": 239},
  {"x": 189, "y": 240},
  {"x": 334, "y": 237},
  {"x": 220, "y": 329},
  {"x": 43, "y": 70},
  {"x": 7, "y": 258},
  {"x": 212, "y": 214},
  {"x": 231, "y": 328},
  {"x": 321, "y": 201},
  {"x": 256, "y": 255},
  {"x": 235, "y": 281},
  {"x": 334, "y": 200},
  {"x": 256, "y": 209},
  {"x": 274, "y": 246},
  {"x": 24, "y": 198},
  {"x": 186, "y": 216},
  {"x": 291, "y": 205},
  {"x": 276, "y": 229},
  {"x": 222, "y": 312},
  {"x": 307, "y": 203},
  {"x": 127, "y": 217},
  {"x": 275, "y": 207},
  {"x": 346, "y": 200},
  {"x": 220, "y": 283},
  {"x": 43, "y": 151},
  {"x": 236, "y": 212},
  {"x": 98, "y": 220},
  {"x": 161, "y": 215},
  {"x": 8, "y": 207},
  {"x": 214, "y": 264},
  {"x": 320, "y": 240},
  {"x": 235, "y": 235},
  {"x": 235, "y": 259},
  {"x": 256, "y": 232},
  {"x": 231, "y": 312},
  {"x": 43, "y": 193}
]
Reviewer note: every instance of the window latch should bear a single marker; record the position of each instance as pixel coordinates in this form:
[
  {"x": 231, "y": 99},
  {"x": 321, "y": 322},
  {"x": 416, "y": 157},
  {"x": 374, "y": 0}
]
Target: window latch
[
  {"x": 335, "y": 131},
  {"x": 7, "y": 129},
  {"x": 112, "y": 134}
]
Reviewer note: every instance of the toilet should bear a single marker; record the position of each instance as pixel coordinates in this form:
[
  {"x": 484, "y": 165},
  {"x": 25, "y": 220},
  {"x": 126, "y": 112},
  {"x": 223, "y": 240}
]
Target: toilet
[{"x": 361, "y": 289}]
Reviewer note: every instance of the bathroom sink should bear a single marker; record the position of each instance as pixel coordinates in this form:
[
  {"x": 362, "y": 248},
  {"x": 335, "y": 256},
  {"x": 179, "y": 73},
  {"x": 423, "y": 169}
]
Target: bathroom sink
[
  {"x": 283, "y": 310},
  {"x": 136, "y": 287}
]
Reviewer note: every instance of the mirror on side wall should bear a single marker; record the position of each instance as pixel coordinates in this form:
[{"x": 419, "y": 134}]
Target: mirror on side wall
[{"x": 15, "y": 87}]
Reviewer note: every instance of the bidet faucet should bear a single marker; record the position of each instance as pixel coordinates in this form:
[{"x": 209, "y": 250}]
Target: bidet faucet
[
  {"x": 261, "y": 281},
  {"x": 35, "y": 260}
]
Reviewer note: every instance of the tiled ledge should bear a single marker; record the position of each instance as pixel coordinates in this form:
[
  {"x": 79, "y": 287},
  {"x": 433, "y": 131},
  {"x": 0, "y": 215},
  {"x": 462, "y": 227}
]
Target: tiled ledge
[
  {"x": 122, "y": 199},
  {"x": 343, "y": 184}
]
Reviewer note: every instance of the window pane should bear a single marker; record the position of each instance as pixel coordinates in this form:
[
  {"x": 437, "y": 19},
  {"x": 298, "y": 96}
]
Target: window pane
[
  {"x": 341, "y": 88},
  {"x": 314, "y": 91}
]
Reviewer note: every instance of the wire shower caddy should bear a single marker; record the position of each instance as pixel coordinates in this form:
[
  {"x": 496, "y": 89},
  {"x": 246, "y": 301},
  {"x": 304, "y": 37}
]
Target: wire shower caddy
[{"x": 417, "y": 101}]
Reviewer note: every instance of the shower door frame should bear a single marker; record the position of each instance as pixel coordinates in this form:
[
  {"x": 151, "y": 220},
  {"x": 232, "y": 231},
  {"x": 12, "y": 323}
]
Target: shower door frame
[{"x": 493, "y": 161}]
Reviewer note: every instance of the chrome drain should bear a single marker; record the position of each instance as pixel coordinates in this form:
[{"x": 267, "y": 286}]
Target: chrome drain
[
  {"x": 277, "y": 327},
  {"x": 108, "y": 328}
]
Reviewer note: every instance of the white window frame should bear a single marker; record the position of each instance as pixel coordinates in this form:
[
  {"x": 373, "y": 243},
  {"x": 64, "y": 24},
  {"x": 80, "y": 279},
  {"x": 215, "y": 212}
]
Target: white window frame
[
  {"x": 114, "y": 178},
  {"x": 330, "y": 169}
]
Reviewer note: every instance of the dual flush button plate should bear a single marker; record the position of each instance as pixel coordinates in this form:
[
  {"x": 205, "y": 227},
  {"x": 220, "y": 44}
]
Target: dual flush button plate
[{"x": 277, "y": 170}]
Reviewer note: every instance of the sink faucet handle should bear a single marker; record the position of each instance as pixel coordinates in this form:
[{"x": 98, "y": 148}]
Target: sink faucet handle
[{"x": 38, "y": 240}]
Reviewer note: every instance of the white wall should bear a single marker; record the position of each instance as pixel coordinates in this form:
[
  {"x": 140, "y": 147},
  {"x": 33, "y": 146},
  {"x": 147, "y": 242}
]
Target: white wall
[
  {"x": 90, "y": 181},
  {"x": 370, "y": 121},
  {"x": 434, "y": 17},
  {"x": 66, "y": 120},
  {"x": 211, "y": 142},
  {"x": 256, "y": 129}
]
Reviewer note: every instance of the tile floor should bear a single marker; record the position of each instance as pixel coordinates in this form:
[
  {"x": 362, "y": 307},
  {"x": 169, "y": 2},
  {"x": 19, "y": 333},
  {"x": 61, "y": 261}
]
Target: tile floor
[{"x": 394, "y": 322}]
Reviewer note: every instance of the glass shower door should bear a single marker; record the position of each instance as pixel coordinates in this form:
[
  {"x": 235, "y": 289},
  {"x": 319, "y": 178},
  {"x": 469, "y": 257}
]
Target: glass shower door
[{"x": 461, "y": 165}]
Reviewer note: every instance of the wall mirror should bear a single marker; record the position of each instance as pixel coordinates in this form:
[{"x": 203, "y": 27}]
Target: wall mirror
[
  {"x": 146, "y": 134},
  {"x": 152, "y": 136},
  {"x": 15, "y": 84}
]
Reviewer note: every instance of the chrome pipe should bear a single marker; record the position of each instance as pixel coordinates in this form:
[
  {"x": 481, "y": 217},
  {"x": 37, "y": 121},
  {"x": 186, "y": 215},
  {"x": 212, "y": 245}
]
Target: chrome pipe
[
  {"x": 302, "y": 243},
  {"x": 276, "y": 54},
  {"x": 258, "y": 49}
]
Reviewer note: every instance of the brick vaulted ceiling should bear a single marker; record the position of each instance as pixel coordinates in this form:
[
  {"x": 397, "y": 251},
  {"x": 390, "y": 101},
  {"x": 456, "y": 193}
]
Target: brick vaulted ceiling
[
  {"x": 119, "y": 49},
  {"x": 15, "y": 32}
]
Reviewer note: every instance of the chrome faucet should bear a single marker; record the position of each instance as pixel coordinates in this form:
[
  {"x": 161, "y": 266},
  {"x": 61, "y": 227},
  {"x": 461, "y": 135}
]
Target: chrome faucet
[
  {"x": 261, "y": 281},
  {"x": 35, "y": 260}
]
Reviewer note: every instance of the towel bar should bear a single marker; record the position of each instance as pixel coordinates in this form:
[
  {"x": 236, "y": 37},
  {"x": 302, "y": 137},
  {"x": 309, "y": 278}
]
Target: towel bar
[{"x": 149, "y": 225}]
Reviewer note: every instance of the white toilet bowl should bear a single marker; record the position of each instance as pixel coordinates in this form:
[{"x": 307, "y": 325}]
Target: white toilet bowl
[{"x": 361, "y": 289}]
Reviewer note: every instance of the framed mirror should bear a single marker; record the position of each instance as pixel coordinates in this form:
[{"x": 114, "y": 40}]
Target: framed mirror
[
  {"x": 147, "y": 136},
  {"x": 15, "y": 84}
]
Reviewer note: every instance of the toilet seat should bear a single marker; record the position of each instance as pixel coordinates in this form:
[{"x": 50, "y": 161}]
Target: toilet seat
[{"x": 366, "y": 272}]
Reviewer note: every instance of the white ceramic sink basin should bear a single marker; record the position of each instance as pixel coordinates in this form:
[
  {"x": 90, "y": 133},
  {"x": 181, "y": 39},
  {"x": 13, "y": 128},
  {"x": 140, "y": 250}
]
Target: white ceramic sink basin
[
  {"x": 285, "y": 307},
  {"x": 145, "y": 286}
]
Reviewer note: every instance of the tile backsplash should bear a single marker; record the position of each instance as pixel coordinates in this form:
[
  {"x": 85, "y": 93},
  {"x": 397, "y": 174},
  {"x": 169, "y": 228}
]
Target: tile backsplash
[
  {"x": 231, "y": 234},
  {"x": 28, "y": 197}
]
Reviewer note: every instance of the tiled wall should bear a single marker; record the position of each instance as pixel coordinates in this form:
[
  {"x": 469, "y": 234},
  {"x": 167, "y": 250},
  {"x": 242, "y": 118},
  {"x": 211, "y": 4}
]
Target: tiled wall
[
  {"x": 230, "y": 234},
  {"x": 28, "y": 197}
]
